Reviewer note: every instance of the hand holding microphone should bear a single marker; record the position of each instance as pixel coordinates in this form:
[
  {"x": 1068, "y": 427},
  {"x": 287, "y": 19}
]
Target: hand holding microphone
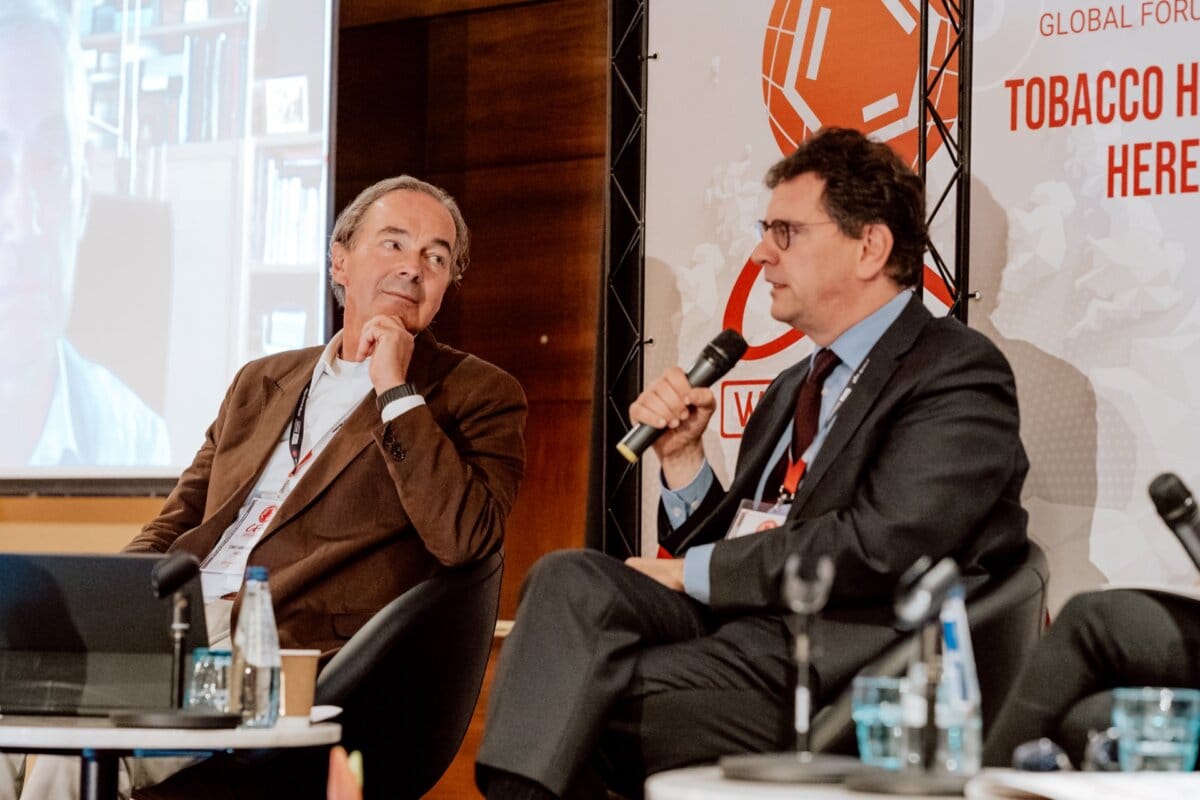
[{"x": 674, "y": 410}]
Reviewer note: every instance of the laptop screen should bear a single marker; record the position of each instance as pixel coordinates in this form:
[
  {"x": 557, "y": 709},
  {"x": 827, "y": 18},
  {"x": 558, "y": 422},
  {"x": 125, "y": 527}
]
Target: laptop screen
[{"x": 84, "y": 634}]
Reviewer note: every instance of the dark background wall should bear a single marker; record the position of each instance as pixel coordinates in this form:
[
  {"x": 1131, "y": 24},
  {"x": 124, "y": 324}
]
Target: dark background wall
[{"x": 504, "y": 104}]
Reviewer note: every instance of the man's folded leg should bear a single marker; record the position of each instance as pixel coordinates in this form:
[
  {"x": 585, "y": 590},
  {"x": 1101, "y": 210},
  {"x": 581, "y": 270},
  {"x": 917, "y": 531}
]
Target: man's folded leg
[
  {"x": 614, "y": 677},
  {"x": 693, "y": 702},
  {"x": 582, "y": 620}
]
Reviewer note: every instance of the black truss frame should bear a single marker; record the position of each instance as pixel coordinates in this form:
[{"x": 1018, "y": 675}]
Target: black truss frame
[
  {"x": 621, "y": 335},
  {"x": 957, "y": 143},
  {"x": 617, "y": 489}
]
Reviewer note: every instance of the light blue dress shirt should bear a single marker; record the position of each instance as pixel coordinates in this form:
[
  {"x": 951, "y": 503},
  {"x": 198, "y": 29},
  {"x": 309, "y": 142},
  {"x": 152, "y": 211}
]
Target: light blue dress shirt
[{"x": 852, "y": 348}]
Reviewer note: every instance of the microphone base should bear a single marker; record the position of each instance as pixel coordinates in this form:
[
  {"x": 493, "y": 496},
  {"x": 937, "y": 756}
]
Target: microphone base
[
  {"x": 790, "y": 767},
  {"x": 923, "y": 784},
  {"x": 174, "y": 718}
]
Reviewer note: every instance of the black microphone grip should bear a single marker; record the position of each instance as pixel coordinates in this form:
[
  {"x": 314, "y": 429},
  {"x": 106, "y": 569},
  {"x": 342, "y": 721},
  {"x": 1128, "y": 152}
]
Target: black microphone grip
[
  {"x": 920, "y": 597},
  {"x": 718, "y": 358},
  {"x": 170, "y": 574},
  {"x": 1177, "y": 507}
]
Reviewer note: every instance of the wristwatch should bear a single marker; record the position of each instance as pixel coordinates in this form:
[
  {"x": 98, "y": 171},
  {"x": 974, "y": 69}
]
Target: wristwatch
[{"x": 395, "y": 393}]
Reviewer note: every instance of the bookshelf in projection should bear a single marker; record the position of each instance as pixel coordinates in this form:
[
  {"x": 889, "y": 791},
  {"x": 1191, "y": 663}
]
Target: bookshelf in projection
[{"x": 216, "y": 110}]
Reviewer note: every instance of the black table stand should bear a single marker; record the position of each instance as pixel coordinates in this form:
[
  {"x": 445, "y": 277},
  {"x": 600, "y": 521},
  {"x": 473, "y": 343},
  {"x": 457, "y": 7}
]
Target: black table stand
[{"x": 97, "y": 774}]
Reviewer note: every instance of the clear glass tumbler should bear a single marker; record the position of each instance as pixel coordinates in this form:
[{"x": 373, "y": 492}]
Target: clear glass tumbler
[
  {"x": 208, "y": 687},
  {"x": 879, "y": 721},
  {"x": 1157, "y": 728}
]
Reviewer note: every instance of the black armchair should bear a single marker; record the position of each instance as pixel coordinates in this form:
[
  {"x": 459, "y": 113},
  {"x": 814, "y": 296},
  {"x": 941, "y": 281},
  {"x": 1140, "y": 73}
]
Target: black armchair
[
  {"x": 1005, "y": 623},
  {"x": 408, "y": 681}
]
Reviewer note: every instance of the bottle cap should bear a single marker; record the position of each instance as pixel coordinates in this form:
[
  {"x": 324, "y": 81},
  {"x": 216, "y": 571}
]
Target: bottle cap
[{"x": 256, "y": 573}]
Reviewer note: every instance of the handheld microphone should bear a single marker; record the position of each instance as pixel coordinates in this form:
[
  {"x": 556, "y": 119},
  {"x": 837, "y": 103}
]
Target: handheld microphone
[
  {"x": 1178, "y": 510},
  {"x": 170, "y": 574},
  {"x": 718, "y": 357}
]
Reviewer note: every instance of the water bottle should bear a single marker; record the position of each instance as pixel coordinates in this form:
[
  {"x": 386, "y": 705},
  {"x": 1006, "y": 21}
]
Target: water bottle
[
  {"x": 960, "y": 725},
  {"x": 957, "y": 711},
  {"x": 256, "y": 649}
]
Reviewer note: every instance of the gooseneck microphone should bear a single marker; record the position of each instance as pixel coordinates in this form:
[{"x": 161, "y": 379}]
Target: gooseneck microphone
[
  {"x": 170, "y": 574},
  {"x": 166, "y": 580},
  {"x": 718, "y": 357},
  {"x": 921, "y": 591},
  {"x": 1178, "y": 510}
]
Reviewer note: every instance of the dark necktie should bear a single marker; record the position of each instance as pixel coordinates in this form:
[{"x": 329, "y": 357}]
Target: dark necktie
[
  {"x": 804, "y": 426},
  {"x": 808, "y": 404}
]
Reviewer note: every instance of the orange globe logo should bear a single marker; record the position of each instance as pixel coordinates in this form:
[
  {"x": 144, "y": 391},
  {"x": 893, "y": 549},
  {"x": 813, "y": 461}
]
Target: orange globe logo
[{"x": 825, "y": 63}]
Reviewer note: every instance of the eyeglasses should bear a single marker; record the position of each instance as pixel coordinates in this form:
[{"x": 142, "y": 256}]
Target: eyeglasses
[{"x": 783, "y": 230}]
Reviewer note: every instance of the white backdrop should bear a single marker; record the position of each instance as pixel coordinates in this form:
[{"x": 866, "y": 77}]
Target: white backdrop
[{"x": 1096, "y": 306}]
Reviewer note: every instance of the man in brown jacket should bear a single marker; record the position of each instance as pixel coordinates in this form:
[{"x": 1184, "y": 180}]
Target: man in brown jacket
[{"x": 357, "y": 470}]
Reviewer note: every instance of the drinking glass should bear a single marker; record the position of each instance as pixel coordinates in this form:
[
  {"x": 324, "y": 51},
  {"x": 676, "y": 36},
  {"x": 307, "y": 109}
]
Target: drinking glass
[
  {"x": 208, "y": 687},
  {"x": 879, "y": 721},
  {"x": 1157, "y": 728}
]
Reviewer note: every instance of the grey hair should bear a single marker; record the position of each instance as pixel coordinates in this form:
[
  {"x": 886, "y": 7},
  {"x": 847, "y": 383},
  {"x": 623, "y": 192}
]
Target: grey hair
[
  {"x": 348, "y": 222},
  {"x": 54, "y": 18}
]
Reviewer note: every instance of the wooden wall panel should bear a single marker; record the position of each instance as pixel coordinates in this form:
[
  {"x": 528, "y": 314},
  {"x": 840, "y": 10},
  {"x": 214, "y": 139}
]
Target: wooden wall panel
[
  {"x": 381, "y": 97},
  {"x": 73, "y": 524},
  {"x": 518, "y": 85},
  {"x": 529, "y": 301}
]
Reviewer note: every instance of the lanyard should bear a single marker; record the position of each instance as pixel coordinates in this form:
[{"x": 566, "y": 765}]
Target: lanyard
[
  {"x": 262, "y": 502},
  {"x": 296, "y": 438},
  {"x": 796, "y": 469}
]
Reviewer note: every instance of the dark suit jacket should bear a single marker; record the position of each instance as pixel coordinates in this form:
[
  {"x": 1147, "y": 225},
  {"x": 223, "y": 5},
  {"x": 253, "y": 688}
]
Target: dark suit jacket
[
  {"x": 922, "y": 458},
  {"x": 377, "y": 512}
]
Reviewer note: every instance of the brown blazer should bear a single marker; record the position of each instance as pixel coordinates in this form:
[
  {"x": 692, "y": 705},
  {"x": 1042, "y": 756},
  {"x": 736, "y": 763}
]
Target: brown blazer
[{"x": 381, "y": 508}]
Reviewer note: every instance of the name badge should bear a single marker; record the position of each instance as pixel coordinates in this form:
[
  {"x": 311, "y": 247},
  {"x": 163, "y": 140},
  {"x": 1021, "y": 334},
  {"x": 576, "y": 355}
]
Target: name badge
[
  {"x": 222, "y": 571},
  {"x": 756, "y": 517}
]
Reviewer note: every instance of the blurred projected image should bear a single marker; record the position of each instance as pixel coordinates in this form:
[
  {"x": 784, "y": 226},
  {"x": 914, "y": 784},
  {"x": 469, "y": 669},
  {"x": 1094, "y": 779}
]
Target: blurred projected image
[
  {"x": 163, "y": 220},
  {"x": 58, "y": 407}
]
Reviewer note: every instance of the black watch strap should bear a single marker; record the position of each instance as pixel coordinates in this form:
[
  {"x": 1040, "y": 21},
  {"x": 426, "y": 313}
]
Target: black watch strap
[{"x": 395, "y": 393}]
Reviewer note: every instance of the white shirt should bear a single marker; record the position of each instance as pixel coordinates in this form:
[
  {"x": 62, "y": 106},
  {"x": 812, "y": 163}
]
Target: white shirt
[
  {"x": 96, "y": 420},
  {"x": 337, "y": 388}
]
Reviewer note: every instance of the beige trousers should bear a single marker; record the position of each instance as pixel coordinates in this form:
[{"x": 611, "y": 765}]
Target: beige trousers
[{"x": 57, "y": 777}]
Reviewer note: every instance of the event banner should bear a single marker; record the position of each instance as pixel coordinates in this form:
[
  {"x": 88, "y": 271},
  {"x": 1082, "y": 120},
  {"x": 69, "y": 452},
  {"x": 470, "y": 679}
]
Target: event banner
[
  {"x": 1084, "y": 215},
  {"x": 1083, "y": 163}
]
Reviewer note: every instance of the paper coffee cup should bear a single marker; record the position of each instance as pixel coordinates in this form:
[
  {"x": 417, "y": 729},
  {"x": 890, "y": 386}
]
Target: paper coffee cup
[{"x": 298, "y": 680}]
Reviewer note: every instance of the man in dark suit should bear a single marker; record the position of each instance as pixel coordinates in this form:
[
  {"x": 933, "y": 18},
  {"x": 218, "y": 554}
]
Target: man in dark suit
[
  {"x": 1099, "y": 641},
  {"x": 351, "y": 471},
  {"x": 614, "y": 671}
]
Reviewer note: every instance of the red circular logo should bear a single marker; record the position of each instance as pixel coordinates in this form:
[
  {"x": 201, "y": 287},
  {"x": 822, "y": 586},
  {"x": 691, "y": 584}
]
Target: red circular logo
[
  {"x": 855, "y": 65},
  {"x": 735, "y": 315},
  {"x": 825, "y": 65}
]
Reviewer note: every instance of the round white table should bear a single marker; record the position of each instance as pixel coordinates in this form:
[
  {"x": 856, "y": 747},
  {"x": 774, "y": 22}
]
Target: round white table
[
  {"x": 99, "y": 743},
  {"x": 706, "y": 783}
]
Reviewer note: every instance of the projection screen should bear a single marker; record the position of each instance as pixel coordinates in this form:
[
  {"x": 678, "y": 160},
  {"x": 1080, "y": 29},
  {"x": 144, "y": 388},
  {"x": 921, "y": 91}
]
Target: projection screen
[{"x": 164, "y": 201}]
